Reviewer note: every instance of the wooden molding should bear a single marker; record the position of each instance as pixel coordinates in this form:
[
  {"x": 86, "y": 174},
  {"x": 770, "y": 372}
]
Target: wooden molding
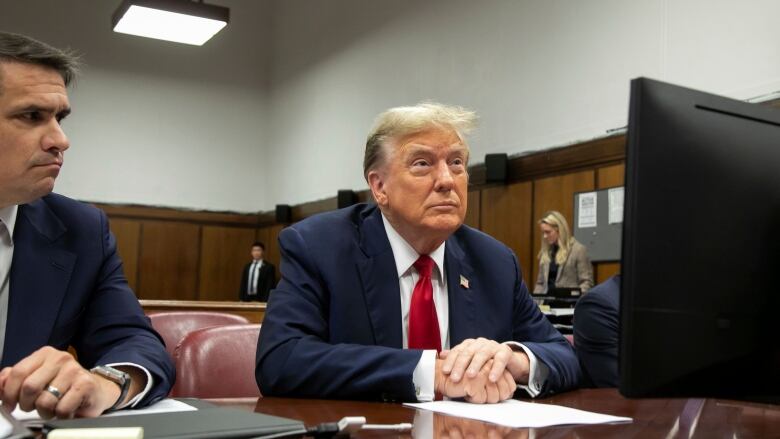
[
  {"x": 252, "y": 311},
  {"x": 190, "y": 216},
  {"x": 588, "y": 155},
  {"x": 206, "y": 305}
]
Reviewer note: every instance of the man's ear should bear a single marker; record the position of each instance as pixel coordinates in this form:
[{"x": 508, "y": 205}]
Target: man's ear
[{"x": 377, "y": 184}]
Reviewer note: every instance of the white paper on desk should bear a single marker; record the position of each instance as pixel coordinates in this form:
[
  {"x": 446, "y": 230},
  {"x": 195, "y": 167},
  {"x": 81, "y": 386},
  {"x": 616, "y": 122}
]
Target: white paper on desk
[
  {"x": 519, "y": 414},
  {"x": 558, "y": 312},
  {"x": 164, "y": 406}
]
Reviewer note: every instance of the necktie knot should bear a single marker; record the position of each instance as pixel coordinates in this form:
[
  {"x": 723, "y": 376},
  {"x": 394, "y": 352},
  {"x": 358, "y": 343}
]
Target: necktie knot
[{"x": 424, "y": 266}]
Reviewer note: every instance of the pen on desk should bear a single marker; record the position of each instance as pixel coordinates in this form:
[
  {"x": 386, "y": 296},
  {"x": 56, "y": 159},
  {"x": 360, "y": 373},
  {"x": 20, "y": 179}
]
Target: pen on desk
[
  {"x": 351, "y": 424},
  {"x": 402, "y": 427}
]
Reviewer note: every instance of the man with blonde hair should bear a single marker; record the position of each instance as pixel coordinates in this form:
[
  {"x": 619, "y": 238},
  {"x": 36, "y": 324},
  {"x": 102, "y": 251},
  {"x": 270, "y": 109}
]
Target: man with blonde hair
[{"x": 400, "y": 300}]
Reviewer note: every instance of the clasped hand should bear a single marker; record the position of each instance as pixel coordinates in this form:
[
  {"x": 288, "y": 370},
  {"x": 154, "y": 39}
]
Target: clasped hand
[
  {"x": 480, "y": 371},
  {"x": 81, "y": 393}
]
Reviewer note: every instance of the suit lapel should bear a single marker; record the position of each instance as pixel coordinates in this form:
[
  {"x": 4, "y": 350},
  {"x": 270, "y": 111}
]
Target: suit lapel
[
  {"x": 380, "y": 282},
  {"x": 462, "y": 295},
  {"x": 40, "y": 273}
]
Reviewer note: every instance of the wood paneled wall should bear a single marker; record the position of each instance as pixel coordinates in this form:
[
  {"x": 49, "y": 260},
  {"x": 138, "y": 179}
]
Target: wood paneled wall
[
  {"x": 220, "y": 256},
  {"x": 128, "y": 240},
  {"x": 182, "y": 255},
  {"x": 170, "y": 254},
  {"x": 168, "y": 263},
  {"x": 506, "y": 215}
]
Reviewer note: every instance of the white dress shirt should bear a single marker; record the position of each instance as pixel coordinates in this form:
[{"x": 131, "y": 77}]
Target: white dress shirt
[
  {"x": 424, "y": 374},
  {"x": 254, "y": 272},
  {"x": 8, "y": 217},
  {"x": 7, "y": 224}
]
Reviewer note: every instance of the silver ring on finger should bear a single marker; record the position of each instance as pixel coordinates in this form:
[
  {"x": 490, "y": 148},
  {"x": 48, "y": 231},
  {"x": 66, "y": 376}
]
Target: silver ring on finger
[{"x": 54, "y": 391}]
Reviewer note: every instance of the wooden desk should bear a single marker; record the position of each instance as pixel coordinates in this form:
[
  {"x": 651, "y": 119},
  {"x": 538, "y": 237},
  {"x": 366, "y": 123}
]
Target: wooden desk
[
  {"x": 653, "y": 418},
  {"x": 253, "y": 311}
]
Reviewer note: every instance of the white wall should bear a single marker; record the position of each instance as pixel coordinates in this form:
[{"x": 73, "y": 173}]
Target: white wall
[
  {"x": 276, "y": 107},
  {"x": 540, "y": 73},
  {"x": 159, "y": 123}
]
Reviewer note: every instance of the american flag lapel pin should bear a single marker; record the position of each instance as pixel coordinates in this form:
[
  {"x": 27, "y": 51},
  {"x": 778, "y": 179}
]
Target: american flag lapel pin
[{"x": 464, "y": 282}]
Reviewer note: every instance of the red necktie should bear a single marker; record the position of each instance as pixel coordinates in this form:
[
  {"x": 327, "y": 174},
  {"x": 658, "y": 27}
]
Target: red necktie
[{"x": 423, "y": 323}]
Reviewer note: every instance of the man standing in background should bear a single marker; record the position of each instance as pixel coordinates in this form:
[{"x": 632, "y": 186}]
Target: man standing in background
[{"x": 258, "y": 277}]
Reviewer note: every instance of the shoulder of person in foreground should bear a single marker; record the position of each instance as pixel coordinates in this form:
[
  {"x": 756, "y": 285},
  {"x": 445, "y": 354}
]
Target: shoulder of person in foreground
[{"x": 596, "y": 333}]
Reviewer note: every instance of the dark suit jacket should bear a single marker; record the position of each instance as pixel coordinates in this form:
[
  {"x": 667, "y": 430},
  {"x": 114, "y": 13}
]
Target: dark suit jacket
[
  {"x": 266, "y": 279},
  {"x": 333, "y": 324},
  {"x": 596, "y": 328},
  {"x": 67, "y": 287}
]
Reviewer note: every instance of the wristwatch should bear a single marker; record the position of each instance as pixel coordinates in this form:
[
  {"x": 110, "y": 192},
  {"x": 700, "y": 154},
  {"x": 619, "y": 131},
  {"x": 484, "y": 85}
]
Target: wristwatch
[{"x": 117, "y": 376}]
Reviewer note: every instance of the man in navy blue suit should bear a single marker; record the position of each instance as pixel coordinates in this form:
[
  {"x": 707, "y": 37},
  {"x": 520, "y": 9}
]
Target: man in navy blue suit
[
  {"x": 61, "y": 280},
  {"x": 596, "y": 334},
  {"x": 400, "y": 300}
]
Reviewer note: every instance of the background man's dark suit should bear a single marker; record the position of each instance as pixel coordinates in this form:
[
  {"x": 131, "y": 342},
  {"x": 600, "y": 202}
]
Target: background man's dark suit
[
  {"x": 266, "y": 279},
  {"x": 596, "y": 328},
  {"x": 333, "y": 324},
  {"x": 67, "y": 287}
]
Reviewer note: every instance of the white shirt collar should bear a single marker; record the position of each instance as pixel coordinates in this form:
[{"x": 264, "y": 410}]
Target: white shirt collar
[
  {"x": 405, "y": 256},
  {"x": 8, "y": 216}
]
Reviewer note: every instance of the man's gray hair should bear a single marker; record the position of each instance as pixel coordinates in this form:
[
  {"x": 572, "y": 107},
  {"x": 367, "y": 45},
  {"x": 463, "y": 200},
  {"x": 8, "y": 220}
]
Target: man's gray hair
[
  {"x": 400, "y": 122},
  {"x": 23, "y": 49}
]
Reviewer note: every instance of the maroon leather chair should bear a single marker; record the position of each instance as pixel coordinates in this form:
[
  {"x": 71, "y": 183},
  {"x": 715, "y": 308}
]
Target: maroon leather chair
[
  {"x": 174, "y": 325},
  {"x": 217, "y": 362}
]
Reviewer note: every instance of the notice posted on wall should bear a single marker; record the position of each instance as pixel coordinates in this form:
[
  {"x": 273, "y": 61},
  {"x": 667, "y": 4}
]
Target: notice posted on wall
[
  {"x": 586, "y": 210},
  {"x": 615, "y": 197}
]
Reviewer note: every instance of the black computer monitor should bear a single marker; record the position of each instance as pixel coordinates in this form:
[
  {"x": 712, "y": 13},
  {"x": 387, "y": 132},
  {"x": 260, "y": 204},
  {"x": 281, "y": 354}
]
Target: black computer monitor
[{"x": 700, "y": 292}]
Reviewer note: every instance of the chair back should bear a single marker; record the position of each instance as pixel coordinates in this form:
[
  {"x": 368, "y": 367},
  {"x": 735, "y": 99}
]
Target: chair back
[
  {"x": 174, "y": 325},
  {"x": 217, "y": 362}
]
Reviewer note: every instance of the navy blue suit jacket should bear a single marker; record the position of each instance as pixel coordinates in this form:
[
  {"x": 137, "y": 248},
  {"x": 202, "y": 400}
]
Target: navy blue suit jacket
[
  {"x": 333, "y": 324},
  {"x": 67, "y": 287},
  {"x": 596, "y": 329}
]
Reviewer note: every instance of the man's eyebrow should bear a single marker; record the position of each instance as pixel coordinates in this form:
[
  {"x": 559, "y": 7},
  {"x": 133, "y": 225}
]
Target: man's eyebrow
[
  {"x": 33, "y": 108},
  {"x": 456, "y": 147}
]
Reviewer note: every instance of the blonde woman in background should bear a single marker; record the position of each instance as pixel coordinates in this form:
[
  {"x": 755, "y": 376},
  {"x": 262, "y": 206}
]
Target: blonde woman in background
[{"x": 563, "y": 261}]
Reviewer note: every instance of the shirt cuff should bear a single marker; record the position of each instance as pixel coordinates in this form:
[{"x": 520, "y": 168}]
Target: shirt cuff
[
  {"x": 537, "y": 375},
  {"x": 140, "y": 396},
  {"x": 424, "y": 376}
]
